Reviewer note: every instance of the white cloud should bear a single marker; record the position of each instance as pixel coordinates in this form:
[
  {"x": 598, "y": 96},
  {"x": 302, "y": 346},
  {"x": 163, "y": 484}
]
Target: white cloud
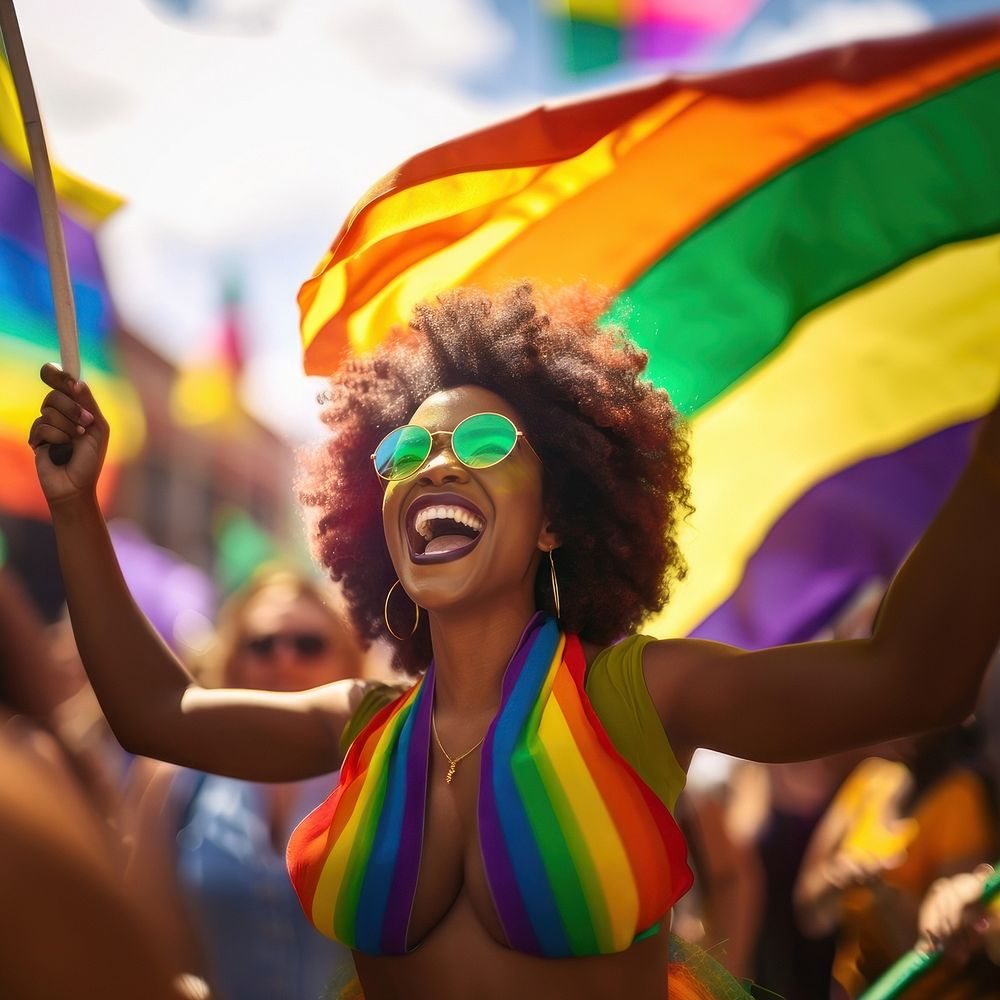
[
  {"x": 218, "y": 137},
  {"x": 822, "y": 24},
  {"x": 246, "y": 147}
]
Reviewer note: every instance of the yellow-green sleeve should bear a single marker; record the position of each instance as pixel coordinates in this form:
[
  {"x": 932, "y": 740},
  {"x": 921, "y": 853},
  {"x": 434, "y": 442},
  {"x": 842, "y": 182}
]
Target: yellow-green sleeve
[
  {"x": 616, "y": 688},
  {"x": 374, "y": 700}
]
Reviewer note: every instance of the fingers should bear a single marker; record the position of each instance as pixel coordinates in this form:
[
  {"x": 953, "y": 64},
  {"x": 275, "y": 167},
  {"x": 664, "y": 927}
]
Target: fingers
[
  {"x": 54, "y": 418},
  {"x": 951, "y": 916},
  {"x": 64, "y": 413},
  {"x": 72, "y": 398},
  {"x": 70, "y": 409},
  {"x": 951, "y": 902},
  {"x": 854, "y": 868},
  {"x": 85, "y": 398},
  {"x": 894, "y": 861},
  {"x": 43, "y": 433},
  {"x": 55, "y": 378},
  {"x": 846, "y": 875}
]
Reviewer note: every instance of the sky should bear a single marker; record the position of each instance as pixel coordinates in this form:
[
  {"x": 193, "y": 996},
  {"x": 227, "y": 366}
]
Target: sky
[{"x": 242, "y": 131}]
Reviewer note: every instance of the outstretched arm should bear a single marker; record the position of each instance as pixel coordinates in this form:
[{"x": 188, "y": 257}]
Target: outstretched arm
[
  {"x": 921, "y": 668},
  {"x": 151, "y": 702}
]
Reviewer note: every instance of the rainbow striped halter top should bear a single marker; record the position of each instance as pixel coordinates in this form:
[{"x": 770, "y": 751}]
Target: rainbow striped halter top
[{"x": 580, "y": 855}]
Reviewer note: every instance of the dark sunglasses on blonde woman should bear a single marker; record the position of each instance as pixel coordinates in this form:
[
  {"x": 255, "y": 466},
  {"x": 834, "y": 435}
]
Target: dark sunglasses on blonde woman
[{"x": 307, "y": 645}]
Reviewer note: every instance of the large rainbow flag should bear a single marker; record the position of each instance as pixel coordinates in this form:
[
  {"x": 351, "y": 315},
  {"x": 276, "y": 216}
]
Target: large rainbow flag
[
  {"x": 809, "y": 250},
  {"x": 27, "y": 315}
]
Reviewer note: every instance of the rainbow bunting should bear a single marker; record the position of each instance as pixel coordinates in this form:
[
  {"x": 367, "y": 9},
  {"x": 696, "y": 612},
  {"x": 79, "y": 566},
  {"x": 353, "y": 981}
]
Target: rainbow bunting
[
  {"x": 596, "y": 34},
  {"x": 809, "y": 250},
  {"x": 206, "y": 391},
  {"x": 580, "y": 855},
  {"x": 27, "y": 316}
]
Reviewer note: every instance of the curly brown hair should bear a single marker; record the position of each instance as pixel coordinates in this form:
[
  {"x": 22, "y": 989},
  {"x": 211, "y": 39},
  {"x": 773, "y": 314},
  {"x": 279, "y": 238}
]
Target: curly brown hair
[{"x": 613, "y": 449}]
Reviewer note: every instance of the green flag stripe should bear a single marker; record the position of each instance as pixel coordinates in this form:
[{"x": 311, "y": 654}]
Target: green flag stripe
[
  {"x": 19, "y": 323},
  {"x": 720, "y": 302},
  {"x": 24, "y": 338}
]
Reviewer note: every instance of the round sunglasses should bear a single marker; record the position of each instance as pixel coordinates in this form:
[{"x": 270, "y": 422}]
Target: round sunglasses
[{"x": 477, "y": 442}]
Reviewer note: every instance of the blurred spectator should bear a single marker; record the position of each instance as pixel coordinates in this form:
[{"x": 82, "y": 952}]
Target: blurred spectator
[
  {"x": 66, "y": 927},
  {"x": 225, "y": 839},
  {"x": 43, "y": 683},
  {"x": 952, "y": 916},
  {"x": 788, "y": 802},
  {"x": 81, "y": 725},
  {"x": 893, "y": 829},
  {"x": 988, "y": 720},
  {"x": 722, "y": 912}
]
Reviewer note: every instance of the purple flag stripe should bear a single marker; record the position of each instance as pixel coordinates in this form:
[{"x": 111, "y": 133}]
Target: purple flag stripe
[
  {"x": 399, "y": 908},
  {"x": 20, "y": 220},
  {"x": 857, "y": 524},
  {"x": 501, "y": 877}
]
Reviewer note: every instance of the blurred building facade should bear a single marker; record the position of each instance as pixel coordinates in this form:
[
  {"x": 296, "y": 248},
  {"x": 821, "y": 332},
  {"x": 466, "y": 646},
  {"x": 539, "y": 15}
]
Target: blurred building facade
[
  {"x": 185, "y": 476},
  {"x": 179, "y": 484}
]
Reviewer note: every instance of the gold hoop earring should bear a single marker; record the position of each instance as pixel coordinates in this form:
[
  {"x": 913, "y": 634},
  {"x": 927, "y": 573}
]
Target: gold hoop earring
[
  {"x": 555, "y": 582},
  {"x": 385, "y": 615}
]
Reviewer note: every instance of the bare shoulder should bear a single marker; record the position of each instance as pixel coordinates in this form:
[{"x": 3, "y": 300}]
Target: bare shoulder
[
  {"x": 669, "y": 662},
  {"x": 675, "y": 670},
  {"x": 336, "y": 703},
  {"x": 657, "y": 650},
  {"x": 341, "y": 697}
]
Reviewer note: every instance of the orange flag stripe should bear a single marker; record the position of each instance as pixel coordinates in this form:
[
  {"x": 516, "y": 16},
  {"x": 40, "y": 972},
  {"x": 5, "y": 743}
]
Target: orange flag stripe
[{"x": 527, "y": 189}]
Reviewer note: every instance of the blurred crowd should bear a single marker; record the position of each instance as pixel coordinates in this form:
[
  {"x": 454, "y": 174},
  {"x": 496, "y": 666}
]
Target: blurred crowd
[
  {"x": 123, "y": 877},
  {"x": 815, "y": 878}
]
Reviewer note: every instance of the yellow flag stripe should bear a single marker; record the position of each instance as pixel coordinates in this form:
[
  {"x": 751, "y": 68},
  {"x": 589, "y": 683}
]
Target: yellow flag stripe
[{"x": 885, "y": 365}]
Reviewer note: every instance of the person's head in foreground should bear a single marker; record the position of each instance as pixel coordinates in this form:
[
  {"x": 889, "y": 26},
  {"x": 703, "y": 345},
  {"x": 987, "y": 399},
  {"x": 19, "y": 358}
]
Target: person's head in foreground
[{"x": 502, "y": 429}]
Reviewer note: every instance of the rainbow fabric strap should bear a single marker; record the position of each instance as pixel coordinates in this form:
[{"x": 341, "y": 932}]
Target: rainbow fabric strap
[{"x": 580, "y": 855}]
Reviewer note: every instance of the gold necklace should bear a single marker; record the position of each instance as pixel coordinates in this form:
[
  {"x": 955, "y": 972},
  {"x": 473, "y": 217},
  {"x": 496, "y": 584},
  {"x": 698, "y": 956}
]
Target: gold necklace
[{"x": 452, "y": 761}]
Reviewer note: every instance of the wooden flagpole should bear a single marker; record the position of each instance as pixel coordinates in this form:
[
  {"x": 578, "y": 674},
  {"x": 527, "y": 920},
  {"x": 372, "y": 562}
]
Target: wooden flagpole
[{"x": 55, "y": 245}]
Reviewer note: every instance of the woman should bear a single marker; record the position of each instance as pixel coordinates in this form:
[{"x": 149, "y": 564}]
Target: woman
[
  {"x": 574, "y": 487},
  {"x": 221, "y": 841}
]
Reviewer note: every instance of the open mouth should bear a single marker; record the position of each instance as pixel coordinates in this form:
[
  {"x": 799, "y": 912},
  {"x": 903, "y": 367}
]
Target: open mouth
[{"x": 441, "y": 527}]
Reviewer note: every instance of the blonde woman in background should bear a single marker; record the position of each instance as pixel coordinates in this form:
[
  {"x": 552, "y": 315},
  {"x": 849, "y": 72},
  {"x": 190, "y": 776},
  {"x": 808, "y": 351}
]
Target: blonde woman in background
[{"x": 215, "y": 846}]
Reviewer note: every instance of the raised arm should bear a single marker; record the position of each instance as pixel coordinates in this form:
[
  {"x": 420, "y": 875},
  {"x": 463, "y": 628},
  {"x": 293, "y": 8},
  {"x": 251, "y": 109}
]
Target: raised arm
[
  {"x": 921, "y": 668},
  {"x": 153, "y": 705}
]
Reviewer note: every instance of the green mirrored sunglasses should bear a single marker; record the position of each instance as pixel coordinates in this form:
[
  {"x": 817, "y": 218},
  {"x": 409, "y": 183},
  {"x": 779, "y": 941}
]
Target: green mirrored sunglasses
[{"x": 478, "y": 442}]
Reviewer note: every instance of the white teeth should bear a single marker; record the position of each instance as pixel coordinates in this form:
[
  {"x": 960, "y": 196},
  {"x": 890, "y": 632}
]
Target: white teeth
[{"x": 459, "y": 514}]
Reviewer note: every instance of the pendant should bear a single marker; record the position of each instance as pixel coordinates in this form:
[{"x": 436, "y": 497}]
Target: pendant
[{"x": 451, "y": 771}]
